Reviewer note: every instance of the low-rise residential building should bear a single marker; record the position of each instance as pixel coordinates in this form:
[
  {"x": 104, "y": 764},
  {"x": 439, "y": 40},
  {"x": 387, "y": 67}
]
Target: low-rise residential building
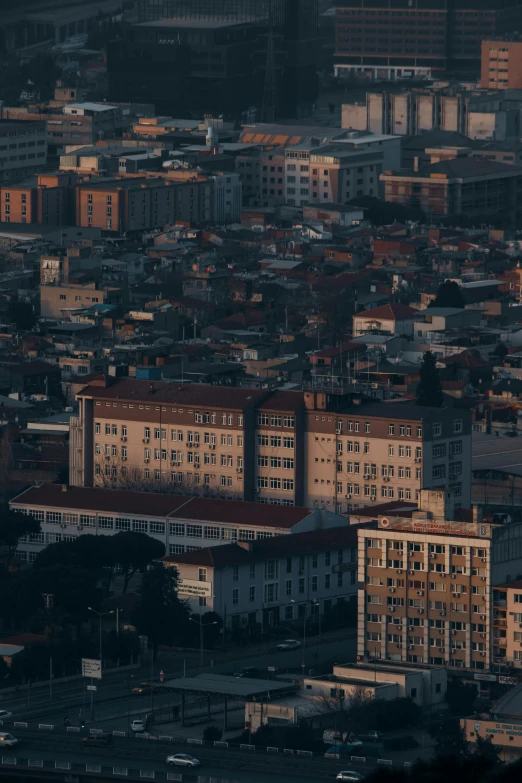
[
  {"x": 425, "y": 584},
  {"x": 393, "y": 319},
  {"x": 277, "y": 580}
]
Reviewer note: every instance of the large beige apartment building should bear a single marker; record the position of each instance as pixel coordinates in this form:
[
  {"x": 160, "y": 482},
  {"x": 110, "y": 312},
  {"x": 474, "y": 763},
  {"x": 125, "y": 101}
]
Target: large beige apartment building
[
  {"x": 280, "y": 447},
  {"x": 425, "y": 585}
]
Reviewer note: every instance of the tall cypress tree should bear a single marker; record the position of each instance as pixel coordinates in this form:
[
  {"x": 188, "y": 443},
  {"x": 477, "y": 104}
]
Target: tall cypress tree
[{"x": 429, "y": 390}]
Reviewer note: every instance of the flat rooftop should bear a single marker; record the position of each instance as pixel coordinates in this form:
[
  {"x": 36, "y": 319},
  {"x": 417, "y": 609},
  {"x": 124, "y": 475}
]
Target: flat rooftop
[
  {"x": 227, "y": 685},
  {"x": 489, "y": 452},
  {"x": 196, "y": 24}
]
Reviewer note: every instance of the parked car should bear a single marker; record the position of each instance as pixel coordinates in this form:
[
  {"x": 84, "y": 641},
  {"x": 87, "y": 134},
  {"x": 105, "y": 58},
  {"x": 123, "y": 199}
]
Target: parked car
[
  {"x": 143, "y": 687},
  {"x": 7, "y": 740},
  {"x": 137, "y": 726},
  {"x": 372, "y": 736},
  {"x": 349, "y": 774},
  {"x": 5, "y": 714},
  {"x": 100, "y": 740},
  {"x": 182, "y": 760},
  {"x": 289, "y": 644},
  {"x": 248, "y": 671}
]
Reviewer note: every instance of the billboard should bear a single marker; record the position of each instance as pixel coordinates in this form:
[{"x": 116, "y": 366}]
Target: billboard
[{"x": 194, "y": 588}]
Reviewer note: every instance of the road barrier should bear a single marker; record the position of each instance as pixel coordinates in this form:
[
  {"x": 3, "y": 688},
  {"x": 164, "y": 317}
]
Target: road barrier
[
  {"x": 62, "y": 765},
  {"x": 21, "y": 724},
  {"x": 9, "y": 760},
  {"x": 408, "y": 764},
  {"x": 147, "y": 773},
  {"x": 219, "y": 744},
  {"x": 119, "y": 734},
  {"x": 46, "y": 726},
  {"x": 73, "y": 728},
  {"x": 174, "y": 776},
  {"x": 195, "y": 741},
  {"x": 386, "y": 762},
  {"x": 120, "y": 771},
  {"x": 272, "y": 750},
  {"x": 358, "y": 759},
  {"x": 164, "y": 737},
  {"x": 34, "y": 763},
  {"x": 93, "y": 768},
  {"x": 304, "y": 753},
  {"x": 288, "y": 751},
  {"x": 247, "y": 747}
]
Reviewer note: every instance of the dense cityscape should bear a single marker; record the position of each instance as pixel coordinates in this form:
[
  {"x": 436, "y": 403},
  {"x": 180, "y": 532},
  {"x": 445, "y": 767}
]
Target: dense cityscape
[{"x": 261, "y": 391}]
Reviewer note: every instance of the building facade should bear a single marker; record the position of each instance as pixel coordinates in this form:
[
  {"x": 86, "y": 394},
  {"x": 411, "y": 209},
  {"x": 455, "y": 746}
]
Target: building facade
[
  {"x": 281, "y": 447},
  {"x": 268, "y": 582},
  {"x": 23, "y": 149},
  {"x": 501, "y": 65},
  {"x": 425, "y": 586},
  {"x": 182, "y": 524}
]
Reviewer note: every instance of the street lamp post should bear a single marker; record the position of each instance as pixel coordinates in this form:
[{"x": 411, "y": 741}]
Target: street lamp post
[
  {"x": 201, "y": 648},
  {"x": 100, "y": 615}
]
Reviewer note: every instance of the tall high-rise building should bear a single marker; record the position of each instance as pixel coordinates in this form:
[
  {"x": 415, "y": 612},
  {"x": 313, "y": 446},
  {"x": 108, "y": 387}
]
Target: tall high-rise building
[
  {"x": 206, "y": 57},
  {"x": 402, "y": 38}
]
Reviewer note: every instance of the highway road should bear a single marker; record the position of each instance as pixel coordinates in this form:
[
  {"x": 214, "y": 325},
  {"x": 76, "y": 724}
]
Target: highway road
[
  {"x": 114, "y": 705},
  {"x": 142, "y": 754}
]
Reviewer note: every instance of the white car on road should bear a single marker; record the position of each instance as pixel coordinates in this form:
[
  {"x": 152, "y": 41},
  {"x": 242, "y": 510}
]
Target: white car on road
[
  {"x": 137, "y": 725},
  {"x": 349, "y": 775},
  {"x": 4, "y": 714},
  {"x": 182, "y": 760},
  {"x": 289, "y": 644},
  {"x": 7, "y": 740}
]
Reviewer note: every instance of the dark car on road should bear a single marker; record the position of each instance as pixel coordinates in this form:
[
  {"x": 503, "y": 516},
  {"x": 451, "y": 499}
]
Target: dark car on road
[{"x": 248, "y": 671}]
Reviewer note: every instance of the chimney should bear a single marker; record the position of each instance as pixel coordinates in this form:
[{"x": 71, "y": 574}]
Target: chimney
[
  {"x": 64, "y": 487},
  {"x": 415, "y": 163}
]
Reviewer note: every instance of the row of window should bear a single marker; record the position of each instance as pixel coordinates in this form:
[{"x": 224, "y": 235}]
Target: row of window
[
  {"x": 272, "y": 482},
  {"x": 418, "y": 641},
  {"x": 435, "y": 549},
  {"x": 275, "y": 420}
]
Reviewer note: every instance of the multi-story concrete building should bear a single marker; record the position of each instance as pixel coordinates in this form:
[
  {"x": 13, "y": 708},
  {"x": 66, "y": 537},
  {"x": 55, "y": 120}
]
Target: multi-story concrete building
[
  {"x": 409, "y": 38},
  {"x": 501, "y": 65},
  {"x": 425, "y": 585},
  {"x": 507, "y": 624},
  {"x": 23, "y": 149},
  {"x": 182, "y": 524},
  {"x": 276, "y": 580},
  {"x": 458, "y": 186},
  {"x": 44, "y": 199},
  {"x": 281, "y": 447}
]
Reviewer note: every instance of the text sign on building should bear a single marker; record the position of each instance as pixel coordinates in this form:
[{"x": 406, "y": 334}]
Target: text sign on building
[
  {"x": 194, "y": 588},
  {"x": 91, "y": 667},
  {"x": 485, "y": 677}
]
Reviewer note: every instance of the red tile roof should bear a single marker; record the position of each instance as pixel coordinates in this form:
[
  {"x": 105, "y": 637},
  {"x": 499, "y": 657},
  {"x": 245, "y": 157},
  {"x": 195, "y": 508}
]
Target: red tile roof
[
  {"x": 132, "y": 390},
  {"x": 152, "y": 504},
  {"x": 392, "y": 311},
  {"x": 223, "y": 556}
]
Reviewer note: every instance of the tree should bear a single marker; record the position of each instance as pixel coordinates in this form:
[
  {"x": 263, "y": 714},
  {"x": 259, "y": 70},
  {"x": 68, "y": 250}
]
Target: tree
[
  {"x": 212, "y": 733},
  {"x": 135, "y": 552},
  {"x": 21, "y": 599},
  {"x": 449, "y": 739},
  {"x": 461, "y": 697},
  {"x": 21, "y": 314},
  {"x": 382, "y": 213},
  {"x": 429, "y": 389},
  {"x": 486, "y": 750},
  {"x": 501, "y": 350},
  {"x": 13, "y": 526},
  {"x": 160, "y": 614},
  {"x": 448, "y": 295},
  {"x": 73, "y": 590}
]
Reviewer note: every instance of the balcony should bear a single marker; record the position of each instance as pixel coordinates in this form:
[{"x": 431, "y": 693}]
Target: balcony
[
  {"x": 499, "y": 622},
  {"x": 499, "y": 641}
]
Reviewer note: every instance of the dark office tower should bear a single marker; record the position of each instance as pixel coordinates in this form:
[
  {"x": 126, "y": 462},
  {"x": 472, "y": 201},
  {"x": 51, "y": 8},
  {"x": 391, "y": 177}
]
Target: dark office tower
[
  {"x": 392, "y": 39},
  {"x": 194, "y": 57}
]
